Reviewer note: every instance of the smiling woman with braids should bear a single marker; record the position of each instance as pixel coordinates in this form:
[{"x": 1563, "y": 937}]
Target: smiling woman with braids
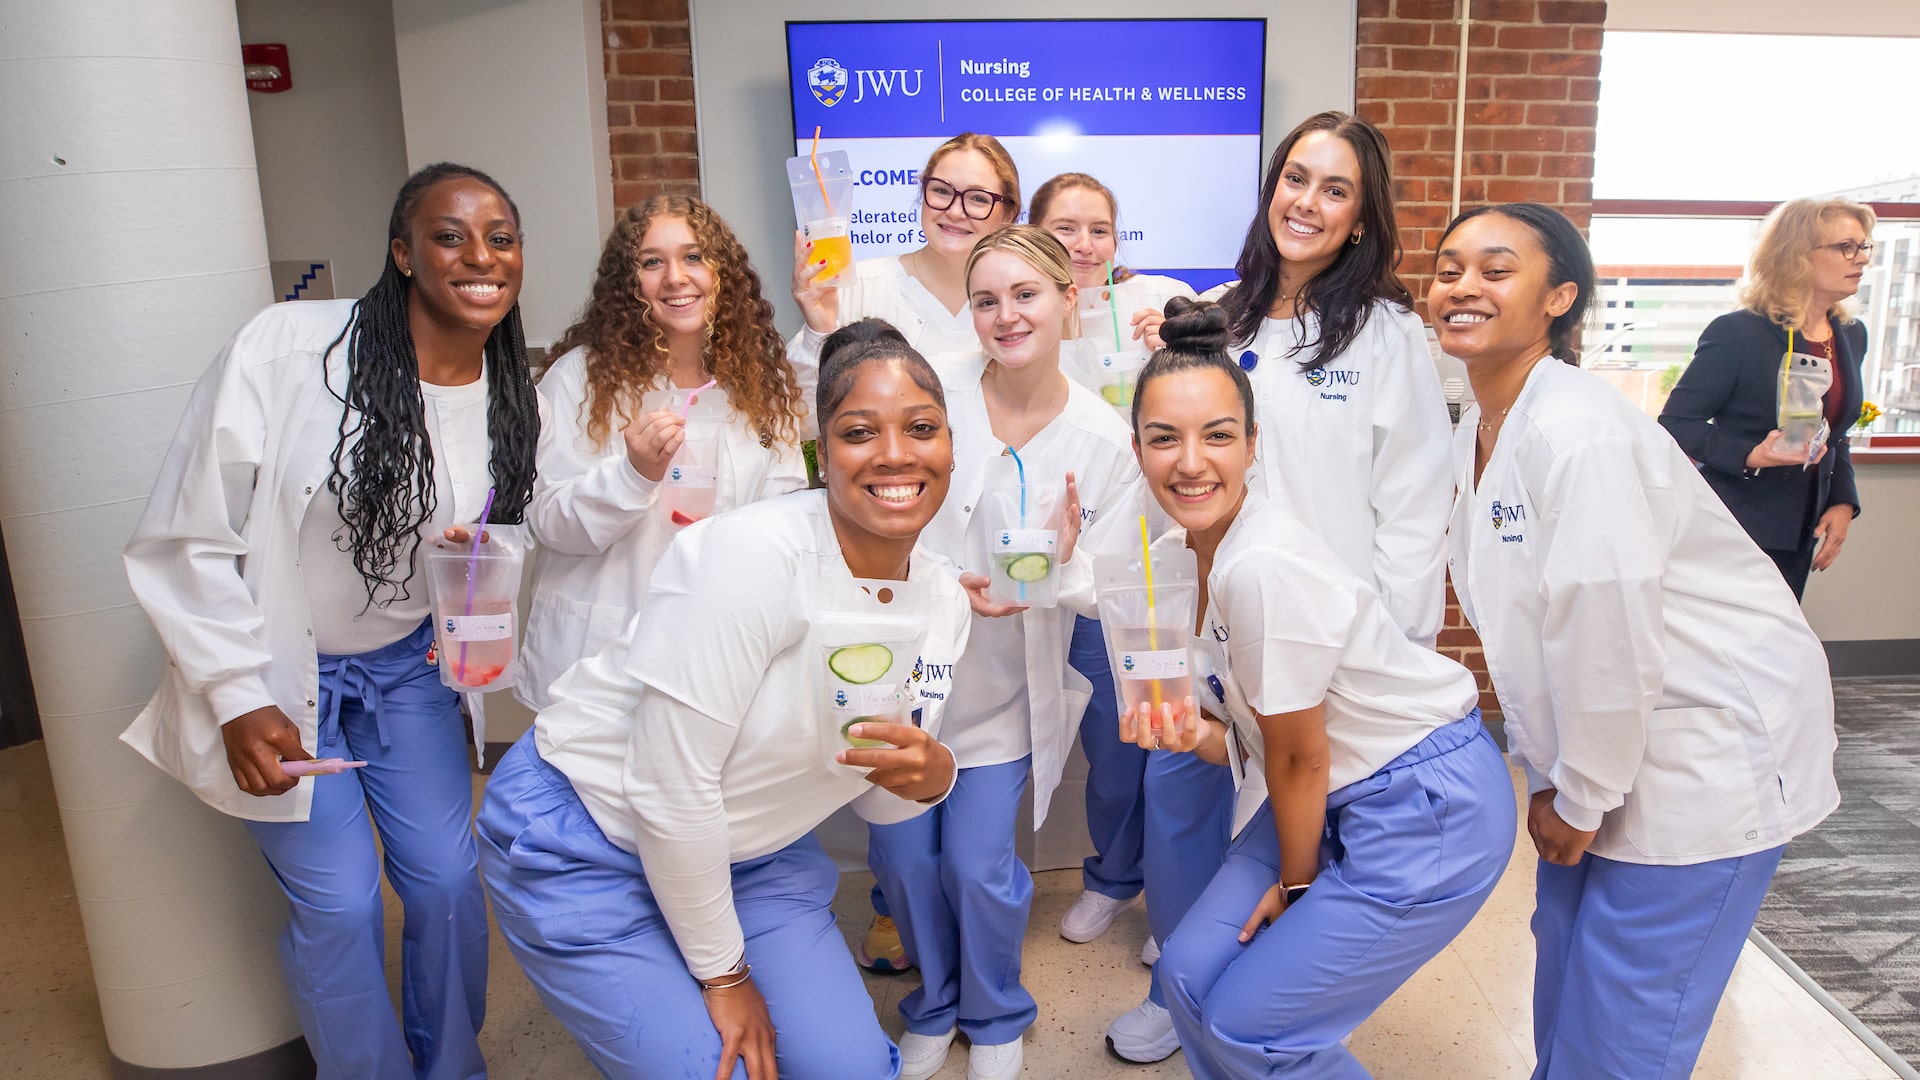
[
  {"x": 675, "y": 304},
  {"x": 278, "y": 559}
]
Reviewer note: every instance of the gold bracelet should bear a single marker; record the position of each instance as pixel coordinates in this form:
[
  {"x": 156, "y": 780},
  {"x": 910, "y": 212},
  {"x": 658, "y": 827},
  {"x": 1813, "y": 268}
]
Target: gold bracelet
[{"x": 744, "y": 969}]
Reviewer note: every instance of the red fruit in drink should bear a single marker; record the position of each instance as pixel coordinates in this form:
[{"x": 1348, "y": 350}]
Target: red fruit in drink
[{"x": 682, "y": 519}]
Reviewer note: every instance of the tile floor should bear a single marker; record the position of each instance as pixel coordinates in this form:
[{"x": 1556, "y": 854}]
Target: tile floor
[{"x": 1464, "y": 1016}]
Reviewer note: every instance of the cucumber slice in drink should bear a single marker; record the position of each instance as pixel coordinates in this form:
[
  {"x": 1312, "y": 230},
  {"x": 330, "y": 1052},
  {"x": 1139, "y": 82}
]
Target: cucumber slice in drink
[
  {"x": 861, "y": 664},
  {"x": 1034, "y": 567},
  {"x": 851, "y": 741},
  {"x": 1117, "y": 394}
]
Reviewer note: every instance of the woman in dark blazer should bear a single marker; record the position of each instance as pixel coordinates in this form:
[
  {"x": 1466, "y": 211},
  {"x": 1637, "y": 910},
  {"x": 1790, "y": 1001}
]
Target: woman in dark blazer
[{"x": 1724, "y": 412}]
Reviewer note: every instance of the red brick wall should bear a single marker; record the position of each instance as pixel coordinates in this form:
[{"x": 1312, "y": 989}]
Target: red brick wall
[
  {"x": 649, "y": 64},
  {"x": 1533, "y": 80}
]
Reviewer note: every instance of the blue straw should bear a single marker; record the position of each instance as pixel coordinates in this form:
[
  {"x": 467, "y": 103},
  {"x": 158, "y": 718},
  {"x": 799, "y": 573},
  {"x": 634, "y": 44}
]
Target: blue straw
[{"x": 1021, "y": 468}]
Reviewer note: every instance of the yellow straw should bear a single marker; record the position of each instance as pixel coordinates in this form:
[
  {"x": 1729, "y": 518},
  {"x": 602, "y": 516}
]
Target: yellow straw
[
  {"x": 1153, "y": 632},
  {"x": 814, "y": 157}
]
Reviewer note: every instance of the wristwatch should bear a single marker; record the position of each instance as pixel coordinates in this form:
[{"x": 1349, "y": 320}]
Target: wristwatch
[{"x": 1295, "y": 892}]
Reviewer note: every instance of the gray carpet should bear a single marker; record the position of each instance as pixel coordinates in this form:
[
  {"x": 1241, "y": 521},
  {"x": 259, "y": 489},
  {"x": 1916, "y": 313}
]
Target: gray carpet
[{"x": 1846, "y": 902}]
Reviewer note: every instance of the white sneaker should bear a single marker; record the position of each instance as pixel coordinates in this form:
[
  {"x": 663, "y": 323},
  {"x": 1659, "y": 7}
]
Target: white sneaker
[
  {"x": 1150, "y": 952},
  {"x": 922, "y": 1055},
  {"x": 1090, "y": 915},
  {"x": 1143, "y": 1033},
  {"x": 1001, "y": 1061}
]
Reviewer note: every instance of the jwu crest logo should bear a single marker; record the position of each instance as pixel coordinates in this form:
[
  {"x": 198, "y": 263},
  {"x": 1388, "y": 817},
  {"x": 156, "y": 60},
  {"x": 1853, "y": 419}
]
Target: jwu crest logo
[
  {"x": 676, "y": 473},
  {"x": 828, "y": 81},
  {"x": 840, "y": 698},
  {"x": 1127, "y": 661},
  {"x": 1334, "y": 376},
  {"x": 1509, "y": 516},
  {"x": 919, "y": 669}
]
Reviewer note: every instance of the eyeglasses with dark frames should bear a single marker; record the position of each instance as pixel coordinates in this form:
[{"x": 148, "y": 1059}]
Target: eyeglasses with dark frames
[
  {"x": 1849, "y": 249},
  {"x": 976, "y": 203}
]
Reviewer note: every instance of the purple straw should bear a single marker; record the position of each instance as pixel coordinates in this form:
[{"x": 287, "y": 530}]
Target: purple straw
[{"x": 473, "y": 565}]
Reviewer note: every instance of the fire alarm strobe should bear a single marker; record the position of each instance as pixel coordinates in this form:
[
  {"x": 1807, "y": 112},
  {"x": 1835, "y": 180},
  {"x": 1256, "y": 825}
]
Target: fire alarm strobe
[{"x": 267, "y": 69}]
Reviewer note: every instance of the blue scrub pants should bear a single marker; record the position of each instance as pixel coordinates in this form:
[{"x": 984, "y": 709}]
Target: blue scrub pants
[
  {"x": 961, "y": 896},
  {"x": 1631, "y": 960},
  {"x": 388, "y": 708},
  {"x": 1189, "y": 825},
  {"x": 581, "y": 919},
  {"x": 1409, "y": 855},
  {"x": 1116, "y": 792}
]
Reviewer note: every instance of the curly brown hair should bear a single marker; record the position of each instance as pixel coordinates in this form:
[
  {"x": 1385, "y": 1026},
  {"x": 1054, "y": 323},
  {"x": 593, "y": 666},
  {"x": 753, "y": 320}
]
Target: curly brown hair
[{"x": 627, "y": 354}]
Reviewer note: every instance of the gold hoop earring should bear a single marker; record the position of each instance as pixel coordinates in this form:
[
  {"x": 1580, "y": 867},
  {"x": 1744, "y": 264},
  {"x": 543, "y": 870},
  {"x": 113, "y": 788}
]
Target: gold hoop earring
[{"x": 1354, "y": 239}]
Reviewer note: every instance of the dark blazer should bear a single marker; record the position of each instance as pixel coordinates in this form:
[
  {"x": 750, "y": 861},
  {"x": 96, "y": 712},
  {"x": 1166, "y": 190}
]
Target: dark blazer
[{"x": 1727, "y": 402}]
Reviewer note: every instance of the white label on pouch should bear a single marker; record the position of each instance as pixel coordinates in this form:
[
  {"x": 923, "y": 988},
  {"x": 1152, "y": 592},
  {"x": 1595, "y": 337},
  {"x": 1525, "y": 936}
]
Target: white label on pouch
[
  {"x": 1154, "y": 664},
  {"x": 1024, "y": 540},
  {"x": 695, "y": 476},
  {"x": 868, "y": 700},
  {"x": 478, "y": 627},
  {"x": 825, "y": 228}
]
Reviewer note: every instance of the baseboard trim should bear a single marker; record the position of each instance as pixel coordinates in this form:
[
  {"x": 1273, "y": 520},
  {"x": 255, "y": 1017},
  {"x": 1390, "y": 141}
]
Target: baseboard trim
[
  {"x": 1884, "y": 656},
  {"x": 288, "y": 1061}
]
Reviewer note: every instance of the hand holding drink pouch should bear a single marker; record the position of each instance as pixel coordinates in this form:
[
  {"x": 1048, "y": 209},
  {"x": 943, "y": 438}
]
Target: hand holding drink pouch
[
  {"x": 1146, "y": 615},
  {"x": 475, "y": 588},
  {"x": 1023, "y": 520},
  {"x": 1804, "y": 382},
  {"x": 870, "y": 634},
  {"x": 690, "y": 485},
  {"x": 822, "y": 187}
]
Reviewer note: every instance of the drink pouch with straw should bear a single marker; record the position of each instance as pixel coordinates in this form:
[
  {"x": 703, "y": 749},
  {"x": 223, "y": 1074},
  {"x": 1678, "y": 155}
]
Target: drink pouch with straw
[
  {"x": 690, "y": 486},
  {"x": 822, "y": 187},
  {"x": 869, "y": 634},
  {"x": 1147, "y": 601},
  {"x": 476, "y": 599},
  {"x": 1022, "y": 516},
  {"x": 1117, "y": 359},
  {"x": 1804, "y": 382}
]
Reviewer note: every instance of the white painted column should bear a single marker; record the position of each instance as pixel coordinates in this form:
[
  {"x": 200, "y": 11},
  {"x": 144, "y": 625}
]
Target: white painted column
[{"x": 131, "y": 220}]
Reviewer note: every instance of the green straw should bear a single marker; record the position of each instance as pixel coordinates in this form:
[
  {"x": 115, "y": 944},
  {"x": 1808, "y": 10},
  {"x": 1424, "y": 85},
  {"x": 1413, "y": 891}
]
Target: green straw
[{"x": 1113, "y": 306}]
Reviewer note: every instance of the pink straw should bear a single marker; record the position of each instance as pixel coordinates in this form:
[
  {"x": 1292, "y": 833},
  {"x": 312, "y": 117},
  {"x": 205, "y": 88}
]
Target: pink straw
[
  {"x": 694, "y": 396},
  {"x": 473, "y": 566}
]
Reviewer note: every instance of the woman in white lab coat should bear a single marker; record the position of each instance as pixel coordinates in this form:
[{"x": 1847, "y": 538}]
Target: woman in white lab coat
[
  {"x": 647, "y": 845},
  {"x": 1082, "y": 213},
  {"x": 969, "y": 188},
  {"x": 278, "y": 558},
  {"x": 1353, "y": 443},
  {"x": 675, "y": 304},
  {"x": 1669, "y": 704},
  {"x": 952, "y": 879},
  {"x": 1391, "y": 815}
]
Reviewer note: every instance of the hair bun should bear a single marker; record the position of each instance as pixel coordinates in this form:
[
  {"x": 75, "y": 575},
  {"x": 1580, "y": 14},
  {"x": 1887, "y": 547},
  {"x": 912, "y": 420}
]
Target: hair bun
[{"x": 1195, "y": 326}]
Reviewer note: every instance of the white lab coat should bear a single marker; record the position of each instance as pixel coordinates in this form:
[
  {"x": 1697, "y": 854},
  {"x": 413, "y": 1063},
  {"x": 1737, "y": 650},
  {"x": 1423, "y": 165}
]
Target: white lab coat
[
  {"x": 693, "y": 738},
  {"x": 881, "y": 288},
  {"x": 1358, "y": 451},
  {"x": 215, "y": 559},
  {"x": 1290, "y": 626},
  {"x": 598, "y": 539},
  {"x": 1088, "y": 440},
  {"x": 1651, "y": 664}
]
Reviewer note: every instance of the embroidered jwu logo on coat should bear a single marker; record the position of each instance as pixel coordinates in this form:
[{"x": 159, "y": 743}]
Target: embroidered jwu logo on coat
[{"x": 1509, "y": 519}]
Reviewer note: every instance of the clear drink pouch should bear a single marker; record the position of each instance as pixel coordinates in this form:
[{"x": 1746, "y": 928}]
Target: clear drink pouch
[
  {"x": 690, "y": 486},
  {"x": 822, "y": 205},
  {"x": 1148, "y": 630},
  {"x": 1022, "y": 518},
  {"x": 869, "y": 634},
  {"x": 476, "y": 606},
  {"x": 1804, "y": 382}
]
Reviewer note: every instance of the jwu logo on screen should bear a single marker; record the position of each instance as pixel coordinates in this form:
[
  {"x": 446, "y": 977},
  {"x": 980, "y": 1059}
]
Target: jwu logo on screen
[{"x": 828, "y": 80}]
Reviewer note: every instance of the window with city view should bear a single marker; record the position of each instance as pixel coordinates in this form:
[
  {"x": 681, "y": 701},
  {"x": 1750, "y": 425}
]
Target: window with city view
[{"x": 1698, "y": 136}]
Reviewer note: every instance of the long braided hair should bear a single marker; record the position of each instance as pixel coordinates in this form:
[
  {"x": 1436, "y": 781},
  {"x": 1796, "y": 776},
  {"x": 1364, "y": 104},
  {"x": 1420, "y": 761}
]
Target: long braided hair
[{"x": 384, "y": 482}]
